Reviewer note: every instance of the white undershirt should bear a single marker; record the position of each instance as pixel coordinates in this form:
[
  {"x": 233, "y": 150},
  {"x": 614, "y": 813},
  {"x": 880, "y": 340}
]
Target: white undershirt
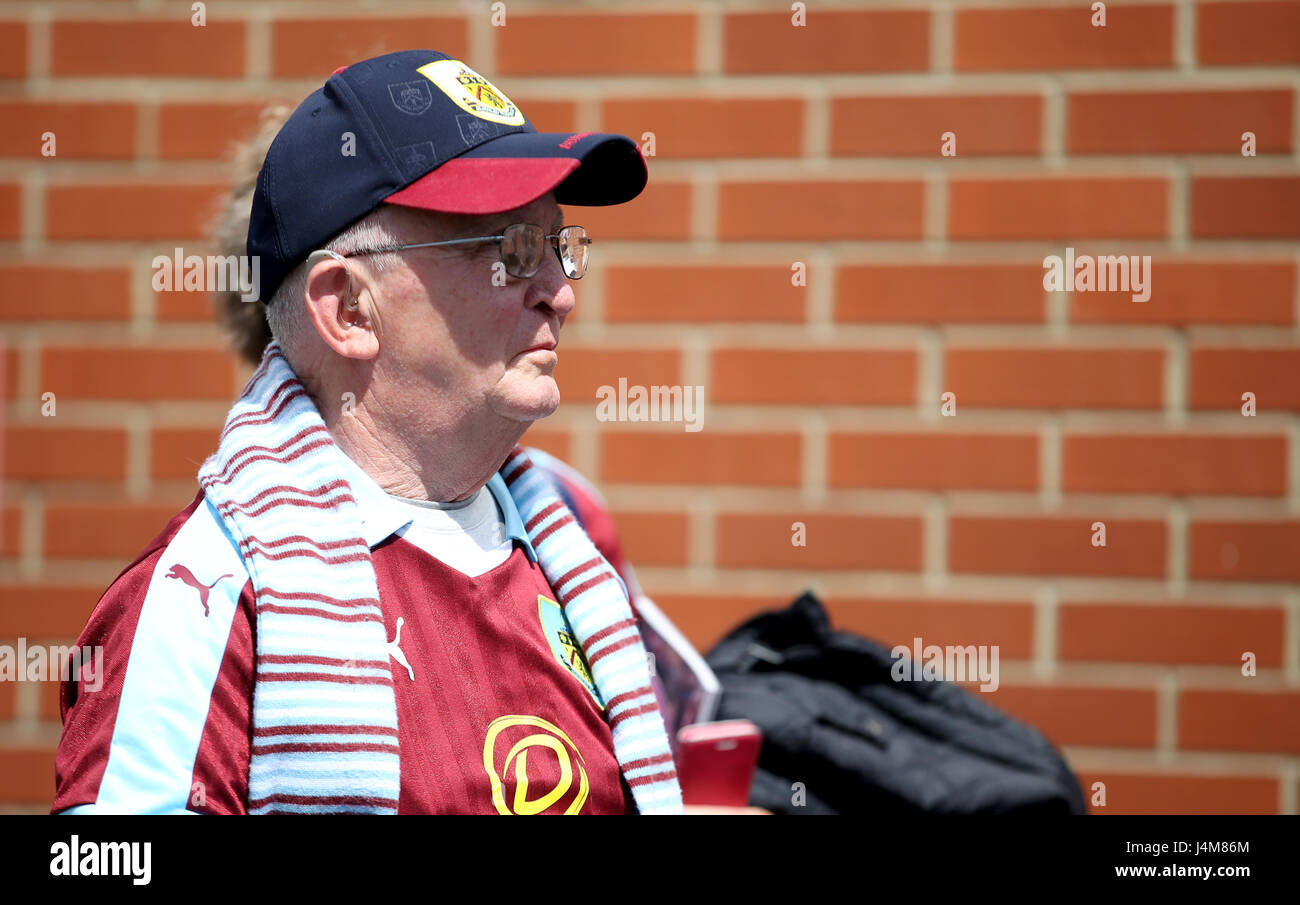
[{"x": 470, "y": 536}]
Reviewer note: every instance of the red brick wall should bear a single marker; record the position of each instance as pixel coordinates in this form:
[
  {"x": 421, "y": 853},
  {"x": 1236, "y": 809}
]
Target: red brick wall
[{"x": 774, "y": 144}]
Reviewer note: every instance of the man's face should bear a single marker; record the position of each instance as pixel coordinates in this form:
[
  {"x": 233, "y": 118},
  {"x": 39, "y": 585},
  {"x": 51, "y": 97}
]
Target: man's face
[{"x": 458, "y": 329}]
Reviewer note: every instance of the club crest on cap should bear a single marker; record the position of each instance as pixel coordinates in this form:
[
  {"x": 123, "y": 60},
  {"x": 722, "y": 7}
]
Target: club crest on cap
[
  {"x": 411, "y": 97},
  {"x": 473, "y": 130},
  {"x": 471, "y": 92},
  {"x": 420, "y": 156}
]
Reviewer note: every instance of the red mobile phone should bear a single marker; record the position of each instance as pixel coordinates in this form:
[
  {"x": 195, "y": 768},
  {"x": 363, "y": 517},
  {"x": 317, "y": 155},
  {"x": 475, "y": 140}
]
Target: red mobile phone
[{"x": 716, "y": 761}]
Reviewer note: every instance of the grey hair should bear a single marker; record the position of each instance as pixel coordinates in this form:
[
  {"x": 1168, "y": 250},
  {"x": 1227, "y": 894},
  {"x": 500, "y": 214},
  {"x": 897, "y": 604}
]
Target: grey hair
[{"x": 286, "y": 314}]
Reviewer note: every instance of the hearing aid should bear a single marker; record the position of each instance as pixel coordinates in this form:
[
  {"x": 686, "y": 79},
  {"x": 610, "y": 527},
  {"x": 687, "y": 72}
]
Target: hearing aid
[{"x": 319, "y": 255}]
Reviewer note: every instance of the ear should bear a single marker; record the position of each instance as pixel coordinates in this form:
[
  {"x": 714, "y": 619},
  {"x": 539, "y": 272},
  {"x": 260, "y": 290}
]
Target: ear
[{"x": 343, "y": 320}]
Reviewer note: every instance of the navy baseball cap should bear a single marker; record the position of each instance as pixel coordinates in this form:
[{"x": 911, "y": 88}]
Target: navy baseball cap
[{"x": 419, "y": 129}]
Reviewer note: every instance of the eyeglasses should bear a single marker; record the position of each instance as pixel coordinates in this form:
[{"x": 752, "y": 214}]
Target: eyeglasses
[{"x": 521, "y": 246}]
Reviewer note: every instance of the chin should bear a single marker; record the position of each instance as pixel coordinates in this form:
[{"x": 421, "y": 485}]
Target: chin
[{"x": 538, "y": 398}]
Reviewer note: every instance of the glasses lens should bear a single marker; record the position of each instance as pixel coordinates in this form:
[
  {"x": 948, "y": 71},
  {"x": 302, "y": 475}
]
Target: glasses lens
[
  {"x": 573, "y": 244},
  {"x": 521, "y": 249}
]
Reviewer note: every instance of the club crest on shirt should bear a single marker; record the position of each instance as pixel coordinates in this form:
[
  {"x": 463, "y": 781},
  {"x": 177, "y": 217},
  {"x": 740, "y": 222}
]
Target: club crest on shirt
[{"x": 564, "y": 645}]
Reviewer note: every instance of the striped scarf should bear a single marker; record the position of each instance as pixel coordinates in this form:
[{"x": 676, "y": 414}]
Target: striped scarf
[{"x": 324, "y": 710}]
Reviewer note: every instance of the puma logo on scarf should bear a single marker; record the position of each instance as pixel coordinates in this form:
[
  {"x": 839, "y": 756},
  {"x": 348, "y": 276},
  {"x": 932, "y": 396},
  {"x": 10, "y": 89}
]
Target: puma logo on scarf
[{"x": 186, "y": 576}]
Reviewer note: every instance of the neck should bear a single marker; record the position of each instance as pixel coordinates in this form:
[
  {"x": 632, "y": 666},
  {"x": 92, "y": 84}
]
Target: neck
[
  {"x": 444, "y": 466},
  {"x": 439, "y": 455}
]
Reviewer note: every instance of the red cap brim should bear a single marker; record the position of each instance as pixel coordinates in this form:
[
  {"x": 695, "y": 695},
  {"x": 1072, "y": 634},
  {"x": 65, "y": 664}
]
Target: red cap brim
[{"x": 485, "y": 185}]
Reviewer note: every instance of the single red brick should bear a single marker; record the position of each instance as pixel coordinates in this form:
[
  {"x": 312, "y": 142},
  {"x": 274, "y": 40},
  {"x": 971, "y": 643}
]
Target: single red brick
[
  {"x": 1157, "y": 122},
  {"x": 147, "y": 47},
  {"x": 1056, "y": 545},
  {"x": 56, "y": 291},
  {"x": 703, "y": 292},
  {"x": 1221, "y": 376},
  {"x": 1264, "y": 207},
  {"x": 710, "y": 127},
  {"x": 1248, "y": 34},
  {"x": 1199, "y": 292},
  {"x": 1215, "y": 720},
  {"x": 1202, "y": 634},
  {"x": 765, "y": 541},
  {"x": 705, "y": 458},
  {"x": 939, "y": 293},
  {"x": 805, "y": 211},
  {"x": 595, "y": 43},
  {"x": 1245, "y": 551},
  {"x": 913, "y": 125},
  {"x": 13, "y": 50},
  {"x": 103, "y": 130},
  {"x": 49, "y": 453},
  {"x": 143, "y": 373},
  {"x": 1052, "y": 207},
  {"x": 47, "y": 610},
  {"x": 813, "y": 376},
  {"x": 80, "y": 530},
  {"x": 1022, "y": 37},
  {"x": 1175, "y": 464},
  {"x": 934, "y": 461},
  {"x": 828, "y": 41},
  {"x": 131, "y": 212},
  {"x": 1055, "y": 377}
]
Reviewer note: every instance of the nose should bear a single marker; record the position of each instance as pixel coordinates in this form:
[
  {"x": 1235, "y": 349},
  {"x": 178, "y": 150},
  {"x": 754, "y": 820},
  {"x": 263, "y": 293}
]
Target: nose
[{"x": 550, "y": 288}]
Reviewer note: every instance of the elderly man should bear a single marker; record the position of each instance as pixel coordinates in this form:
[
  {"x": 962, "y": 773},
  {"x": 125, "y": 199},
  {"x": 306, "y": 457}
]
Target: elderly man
[{"x": 376, "y": 603}]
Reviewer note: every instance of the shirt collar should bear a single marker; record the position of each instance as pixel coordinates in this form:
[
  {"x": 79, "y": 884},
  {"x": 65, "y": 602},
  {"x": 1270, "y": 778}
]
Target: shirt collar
[
  {"x": 381, "y": 517},
  {"x": 514, "y": 523}
]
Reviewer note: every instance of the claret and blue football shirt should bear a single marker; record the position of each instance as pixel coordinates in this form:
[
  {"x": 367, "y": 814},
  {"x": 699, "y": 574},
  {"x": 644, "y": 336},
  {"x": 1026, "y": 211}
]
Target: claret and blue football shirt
[{"x": 496, "y": 710}]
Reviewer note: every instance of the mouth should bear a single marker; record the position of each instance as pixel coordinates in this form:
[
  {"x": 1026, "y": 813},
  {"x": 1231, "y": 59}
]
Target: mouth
[{"x": 542, "y": 355}]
